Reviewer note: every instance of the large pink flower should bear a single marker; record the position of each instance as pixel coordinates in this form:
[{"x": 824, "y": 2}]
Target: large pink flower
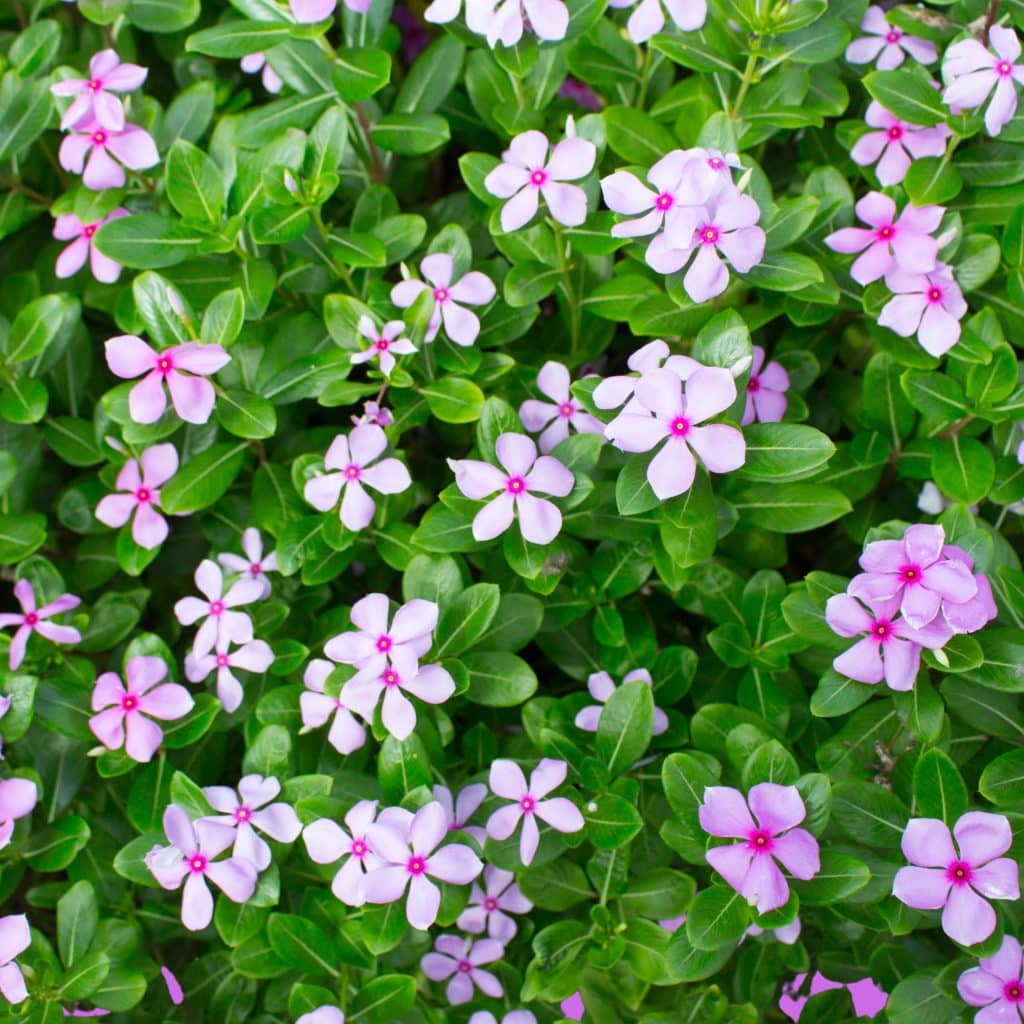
[
  {"x": 929, "y": 305},
  {"x": 93, "y": 99},
  {"x": 90, "y": 149},
  {"x": 896, "y": 143},
  {"x": 971, "y": 72},
  {"x": 327, "y": 842},
  {"x": 36, "y": 620},
  {"x": 138, "y": 494},
  {"x": 460, "y": 959},
  {"x": 555, "y": 417},
  {"x": 887, "y": 43},
  {"x": 68, "y": 228},
  {"x": 346, "y": 733},
  {"x": 996, "y": 984},
  {"x": 503, "y": 21},
  {"x": 649, "y": 19},
  {"x": 15, "y": 938},
  {"x": 251, "y": 811}
]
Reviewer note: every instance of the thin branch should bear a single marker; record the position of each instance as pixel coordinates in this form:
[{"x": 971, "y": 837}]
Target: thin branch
[
  {"x": 990, "y": 19},
  {"x": 377, "y": 166}
]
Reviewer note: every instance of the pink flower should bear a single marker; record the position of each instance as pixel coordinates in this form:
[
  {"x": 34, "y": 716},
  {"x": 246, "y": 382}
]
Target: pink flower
[
  {"x": 327, "y": 842},
  {"x": 601, "y": 687},
  {"x": 190, "y": 860},
  {"x": 615, "y": 391},
  {"x": 670, "y": 417},
  {"x": 475, "y": 289},
  {"x": 35, "y": 620},
  {"x": 490, "y": 906},
  {"x": 18, "y": 798},
  {"x": 888, "y": 43},
  {"x": 220, "y": 624},
  {"x": 787, "y": 934},
  {"x": 250, "y": 811},
  {"x": 254, "y": 62},
  {"x": 346, "y": 734},
  {"x": 182, "y": 368},
  {"x": 93, "y": 95},
  {"x": 174, "y": 989},
  {"x": 15, "y": 938},
  {"x": 89, "y": 150},
  {"x": 529, "y": 803},
  {"x": 310, "y": 11},
  {"x": 459, "y": 811},
  {"x": 67, "y": 227},
  {"x": 138, "y": 495},
  {"x": 649, "y": 18},
  {"x": 554, "y": 417},
  {"x": 125, "y": 710},
  {"x": 459, "y": 958},
  {"x": 255, "y": 564},
  {"x": 929, "y": 305},
  {"x": 411, "y": 859},
  {"x": 956, "y": 878},
  {"x": 528, "y": 172},
  {"x": 750, "y": 866},
  {"x": 766, "y": 391},
  {"x": 374, "y": 413},
  {"x": 891, "y": 243},
  {"x": 385, "y": 342},
  {"x": 573, "y": 1007},
  {"x": 896, "y": 143},
  {"x": 524, "y": 473},
  {"x": 503, "y": 21},
  {"x": 996, "y": 984},
  {"x": 322, "y": 1015},
  {"x": 351, "y": 456},
  {"x": 255, "y": 656},
  {"x": 971, "y": 72},
  {"x": 971, "y": 615}
]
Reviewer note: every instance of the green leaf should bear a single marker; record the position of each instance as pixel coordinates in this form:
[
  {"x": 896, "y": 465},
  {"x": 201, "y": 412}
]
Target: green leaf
[
  {"x": 146, "y": 241},
  {"x": 612, "y": 821},
  {"x": 963, "y": 468},
  {"x": 840, "y": 876},
  {"x": 359, "y": 73},
  {"x": 779, "y": 452},
  {"x": 26, "y": 115},
  {"x": 56, "y": 846},
  {"x": 301, "y": 944},
  {"x": 454, "y": 400},
  {"x": 163, "y": 15},
  {"x": 633, "y": 494},
  {"x": 237, "y": 38},
  {"x": 907, "y": 93},
  {"x": 555, "y": 886},
  {"x": 410, "y": 134},
  {"x": 37, "y": 325},
  {"x": 626, "y": 726},
  {"x": 717, "y": 917},
  {"x": 77, "y": 918},
  {"x": 784, "y": 272},
  {"x": 939, "y": 789},
  {"x": 432, "y": 77},
  {"x": 203, "y": 480},
  {"x": 23, "y": 400},
  {"x": 499, "y": 679},
  {"x": 466, "y": 618},
  {"x": 246, "y": 415},
  {"x": 789, "y": 508},
  {"x": 194, "y": 183},
  {"x": 932, "y": 180},
  {"x": 384, "y": 999},
  {"x": 869, "y": 814},
  {"x": 20, "y": 535},
  {"x": 1002, "y": 781}
]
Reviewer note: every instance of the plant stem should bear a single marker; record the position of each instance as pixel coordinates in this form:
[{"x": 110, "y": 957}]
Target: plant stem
[
  {"x": 748, "y": 77},
  {"x": 990, "y": 19},
  {"x": 377, "y": 172},
  {"x": 567, "y": 287}
]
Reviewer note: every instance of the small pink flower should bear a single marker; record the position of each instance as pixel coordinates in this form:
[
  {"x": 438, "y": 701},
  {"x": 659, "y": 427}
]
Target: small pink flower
[
  {"x": 430, "y": 683},
  {"x": 220, "y": 623},
  {"x": 93, "y": 95},
  {"x": 601, "y": 687},
  {"x": 255, "y": 656},
  {"x": 90, "y": 149},
  {"x": 555, "y": 417},
  {"x": 956, "y": 878},
  {"x": 138, "y": 495},
  {"x": 15, "y": 938},
  {"x": 124, "y": 710},
  {"x": 996, "y": 984},
  {"x": 375, "y": 413},
  {"x": 327, "y": 842},
  {"x": 527, "y": 172},
  {"x": 385, "y": 343},
  {"x": 475, "y": 289},
  {"x": 503, "y": 21},
  {"x": 895, "y": 144},
  {"x": 18, "y": 798},
  {"x": 888, "y": 44},
  {"x": 36, "y": 620},
  {"x": 490, "y": 906},
  {"x": 250, "y": 811},
  {"x": 649, "y": 19},
  {"x": 67, "y": 227},
  {"x": 254, "y": 62},
  {"x": 766, "y": 391},
  {"x": 346, "y": 733},
  {"x": 523, "y": 476},
  {"x": 462, "y": 808},
  {"x": 460, "y": 959},
  {"x": 255, "y": 565},
  {"x": 182, "y": 368},
  {"x": 971, "y": 72}
]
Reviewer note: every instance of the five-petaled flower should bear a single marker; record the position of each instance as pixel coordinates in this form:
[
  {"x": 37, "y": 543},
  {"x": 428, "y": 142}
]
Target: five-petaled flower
[
  {"x": 67, "y": 227},
  {"x": 503, "y": 21},
  {"x": 327, "y": 842},
  {"x": 254, "y": 656},
  {"x": 15, "y": 938},
  {"x": 346, "y": 733},
  {"x": 460, "y": 959},
  {"x": 490, "y": 906},
  {"x": 997, "y": 985},
  {"x": 250, "y": 811},
  {"x": 887, "y": 43},
  {"x": 601, "y": 686},
  {"x": 971, "y": 72},
  {"x": 93, "y": 96},
  {"x": 255, "y": 564},
  {"x": 138, "y": 496},
  {"x": 90, "y": 149},
  {"x": 385, "y": 343},
  {"x": 896, "y": 143},
  {"x": 220, "y": 622},
  {"x": 649, "y": 19},
  {"x": 929, "y": 305},
  {"x": 766, "y": 390},
  {"x": 37, "y": 620},
  {"x": 554, "y": 418},
  {"x": 459, "y": 810}
]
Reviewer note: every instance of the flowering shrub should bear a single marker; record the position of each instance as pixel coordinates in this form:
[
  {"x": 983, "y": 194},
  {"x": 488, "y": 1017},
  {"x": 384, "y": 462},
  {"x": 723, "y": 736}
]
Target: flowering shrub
[{"x": 510, "y": 511}]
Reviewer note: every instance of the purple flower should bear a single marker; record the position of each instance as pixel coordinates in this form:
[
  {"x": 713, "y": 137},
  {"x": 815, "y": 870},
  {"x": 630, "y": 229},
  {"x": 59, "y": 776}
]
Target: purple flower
[
  {"x": 671, "y": 418},
  {"x": 956, "y": 878},
  {"x": 182, "y": 368},
  {"x": 90, "y": 150},
  {"x": 253, "y": 62},
  {"x": 327, "y": 842},
  {"x": 138, "y": 494},
  {"x": 14, "y": 940},
  {"x": 527, "y": 171},
  {"x": 125, "y": 709},
  {"x": 255, "y": 564},
  {"x": 322, "y": 1015},
  {"x": 220, "y": 623},
  {"x": 490, "y": 906},
  {"x": 461, "y": 809},
  {"x": 36, "y": 620},
  {"x": 971, "y": 72},
  {"x": 888, "y": 43},
  {"x": 750, "y": 866},
  {"x": 255, "y": 656},
  {"x": 971, "y": 615},
  {"x": 93, "y": 99},
  {"x": 174, "y": 989},
  {"x": 503, "y": 21},
  {"x": 430, "y": 683},
  {"x": 766, "y": 391},
  {"x": 896, "y": 143},
  {"x": 554, "y": 417},
  {"x": 351, "y": 455},
  {"x": 573, "y": 1007},
  {"x": 411, "y": 859},
  {"x": 190, "y": 861},
  {"x": 18, "y": 798},
  {"x": 601, "y": 687},
  {"x": 929, "y": 305},
  {"x": 385, "y": 342},
  {"x": 374, "y": 412},
  {"x": 460, "y": 959},
  {"x": 524, "y": 473},
  {"x": 891, "y": 243},
  {"x": 996, "y": 984},
  {"x": 529, "y": 803},
  {"x": 250, "y": 811},
  {"x": 346, "y": 734},
  {"x": 68, "y": 228},
  {"x": 474, "y": 289},
  {"x": 649, "y": 18}
]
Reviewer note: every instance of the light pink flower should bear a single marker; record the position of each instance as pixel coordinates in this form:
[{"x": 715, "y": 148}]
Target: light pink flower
[
  {"x": 220, "y": 623},
  {"x": 888, "y": 44},
  {"x": 125, "y": 709},
  {"x": 374, "y": 412},
  {"x": 322, "y": 1015},
  {"x": 996, "y": 984},
  {"x": 462, "y": 808},
  {"x": 615, "y": 391},
  {"x": 766, "y": 391},
  {"x": 36, "y": 620},
  {"x": 971, "y": 615},
  {"x": 904, "y": 243},
  {"x": 750, "y": 865},
  {"x": 895, "y": 144},
  {"x": 67, "y": 227},
  {"x": 182, "y": 368},
  {"x": 385, "y": 343},
  {"x": 490, "y": 906},
  {"x": 250, "y": 811},
  {"x": 554, "y": 417},
  {"x": 475, "y": 289},
  {"x": 460, "y": 959},
  {"x": 529, "y": 803},
  {"x": 601, "y": 687},
  {"x": 672, "y": 416},
  {"x": 956, "y": 878},
  {"x": 649, "y": 18},
  {"x": 254, "y": 62},
  {"x": 503, "y": 21},
  {"x": 351, "y": 456},
  {"x": 18, "y": 798},
  {"x": 15, "y": 938},
  {"x": 928, "y": 305},
  {"x": 346, "y": 733},
  {"x": 527, "y": 172},
  {"x": 93, "y": 95},
  {"x": 523, "y": 477},
  {"x": 138, "y": 494},
  {"x": 971, "y": 72},
  {"x": 412, "y": 859},
  {"x": 255, "y": 564},
  {"x": 255, "y": 656},
  {"x": 190, "y": 861},
  {"x": 90, "y": 150},
  {"x": 327, "y": 842},
  {"x": 310, "y": 11}
]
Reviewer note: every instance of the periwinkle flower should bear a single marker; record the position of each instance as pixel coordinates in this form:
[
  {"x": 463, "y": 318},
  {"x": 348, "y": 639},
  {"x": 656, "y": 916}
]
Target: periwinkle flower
[
  {"x": 617, "y": 390},
  {"x": 15, "y": 938},
  {"x": 996, "y": 984},
  {"x": 554, "y": 418},
  {"x": 460, "y": 809},
  {"x": 503, "y": 21},
  {"x": 90, "y": 150},
  {"x": 252, "y": 810},
  {"x": 67, "y": 227},
  {"x": 94, "y": 97},
  {"x": 959, "y": 879},
  {"x": 327, "y": 842},
  {"x": 255, "y": 565},
  {"x": 886, "y": 44},
  {"x": 221, "y": 623},
  {"x": 490, "y": 906},
  {"x": 750, "y": 866},
  {"x": 649, "y": 17},
  {"x": 308, "y": 12},
  {"x": 385, "y": 343},
  {"x": 929, "y": 305},
  {"x": 323, "y": 1015},
  {"x": 375, "y": 413},
  {"x": 346, "y": 733},
  {"x": 37, "y": 620},
  {"x": 972, "y": 72},
  {"x": 971, "y": 615},
  {"x": 18, "y": 798},
  {"x": 461, "y": 960},
  {"x": 896, "y": 143},
  {"x": 601, "y": 686},
  {"x": 138, "y": 496},
  {"x": 254, "y": 656},
  {"x": 766, "y": 390},
  {"x": 253, "y": 63}
]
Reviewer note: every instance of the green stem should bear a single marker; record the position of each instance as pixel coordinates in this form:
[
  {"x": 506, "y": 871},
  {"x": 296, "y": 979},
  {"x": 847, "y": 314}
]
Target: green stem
[
  {"x": 645, "y": 77},
  {"x": 568, "y": 288},
  {"x": 749, "y": 75}
]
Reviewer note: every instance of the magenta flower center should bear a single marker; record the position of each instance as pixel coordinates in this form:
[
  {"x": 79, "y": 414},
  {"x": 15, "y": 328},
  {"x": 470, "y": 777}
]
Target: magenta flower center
[
  {"x": 384, "y": 644},
  {"x": 216, "y": 607},
  {"x": 1013, "y": 991},
  {"x": 881, "y": 629},
  {"x": 516, "y": 485},
  {"x": 352, "y": 472},
  {"x": 95, "y": 85},
  {"x": 910, "y": 574},
  {"x": 255, "y": 569},
  {"x": 893, "y": 36},
  {"x": 197, "y": 863},
  {"x": 527, "y": 804},
  {"x": 381, "y": 344},
  {"x": 716, "y": 163},
  {"x": 390, "y": 678},
  {"x": 129, "y": 702},
  {"x": 934, "y": 294},
  {"x": 895, "y": 132},
  {"x": 90, "y": 230},
  {"x": 959, "y": 872},
  {"x": 222, "y": 661},
  {"x": 416, "y": 865},
  {"x": 760, "y": 841},
  {"x": 754, "y": 385},
  {"x": 538, "y": 178},
  {"x": 142, "y": 495},
  {"x": 680, "y": 426},
  {"x": 709, "y": 234},
  {"x": 664, "y": 201},
  {"x": 441, "y": 295},
  {"x": 31, "y": 618},
  {"x": 99, "y": 138},
  {"x": 464, "y": 967},
  {"x": 566, "y": 409},
  {"x": 886, "y": 233},
  {"x": 242, "y": 814},
  {"x": 165, "y": 364},
  {"x": 1004, "y": 68},
  {"x": 359, "y": 848},
  {"x": 490, "y": 904}
]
